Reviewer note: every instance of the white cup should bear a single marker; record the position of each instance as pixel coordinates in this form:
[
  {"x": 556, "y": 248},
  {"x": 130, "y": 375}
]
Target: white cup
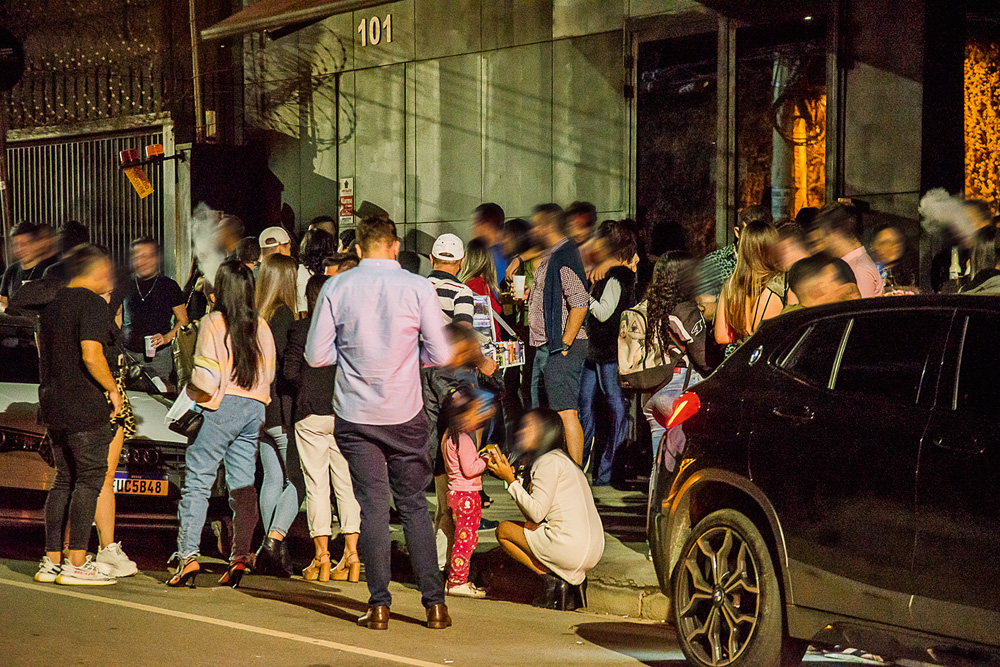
[
  {"x": 150, "y": 348},
  {"x": 518, "y": 287}
]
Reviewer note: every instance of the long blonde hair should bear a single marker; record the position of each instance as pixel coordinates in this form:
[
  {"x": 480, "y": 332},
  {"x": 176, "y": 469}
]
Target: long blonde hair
[
  {"x": 756, "y": 266},
  {"x": 479, "y": 264},
  {"x": 276, "y": 285}
]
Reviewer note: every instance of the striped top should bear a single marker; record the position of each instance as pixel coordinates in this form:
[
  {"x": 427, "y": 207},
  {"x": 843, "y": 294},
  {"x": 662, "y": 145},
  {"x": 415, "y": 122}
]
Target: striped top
[
  {"x": 456, "y": 300},
  {"x": 213, "y": 363}
]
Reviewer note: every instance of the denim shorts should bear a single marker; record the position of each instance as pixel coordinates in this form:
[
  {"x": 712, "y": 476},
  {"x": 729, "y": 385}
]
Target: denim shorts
[{"x": 562, "y": 377}]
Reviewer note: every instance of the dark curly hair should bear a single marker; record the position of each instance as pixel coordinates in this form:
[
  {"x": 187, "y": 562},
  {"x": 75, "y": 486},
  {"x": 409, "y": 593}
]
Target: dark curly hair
[
  {"x": 317, "y": 245},
  {"x": 671, "y": 285}
]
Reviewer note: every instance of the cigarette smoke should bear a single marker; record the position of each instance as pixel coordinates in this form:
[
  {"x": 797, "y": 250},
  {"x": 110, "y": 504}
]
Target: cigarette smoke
[
  {"x": 942, "y": 212},
  {"x": 206, "y": 245}
]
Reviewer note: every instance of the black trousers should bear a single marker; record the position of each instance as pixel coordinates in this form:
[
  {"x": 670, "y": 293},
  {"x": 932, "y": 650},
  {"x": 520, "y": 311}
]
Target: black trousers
[{"x": 81, "y": 459}]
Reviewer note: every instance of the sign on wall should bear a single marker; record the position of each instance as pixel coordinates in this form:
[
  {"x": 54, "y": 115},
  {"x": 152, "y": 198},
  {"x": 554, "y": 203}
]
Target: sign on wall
[{"x": 346, "y": 202}]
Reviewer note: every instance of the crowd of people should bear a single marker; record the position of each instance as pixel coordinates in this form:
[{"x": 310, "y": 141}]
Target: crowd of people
[{"x": 342, "y": 372}]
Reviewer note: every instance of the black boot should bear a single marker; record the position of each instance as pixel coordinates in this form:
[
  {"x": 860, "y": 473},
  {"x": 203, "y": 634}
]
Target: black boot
[
  {"x": 269, "y": 559},
  {"x": 557, "y": 594},
  {"x": 285, "y": 557}
]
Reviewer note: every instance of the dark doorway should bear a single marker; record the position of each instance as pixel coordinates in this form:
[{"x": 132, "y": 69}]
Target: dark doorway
[{"x": 676, "y": 131}]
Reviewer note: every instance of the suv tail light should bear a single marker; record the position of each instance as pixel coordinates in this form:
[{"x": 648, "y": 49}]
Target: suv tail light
[{"x": 684, "y": 407}]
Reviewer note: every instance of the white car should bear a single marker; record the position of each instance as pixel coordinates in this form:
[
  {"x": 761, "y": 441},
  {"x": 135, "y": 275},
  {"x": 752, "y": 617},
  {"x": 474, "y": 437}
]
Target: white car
[{"x": 151, "y": 469}]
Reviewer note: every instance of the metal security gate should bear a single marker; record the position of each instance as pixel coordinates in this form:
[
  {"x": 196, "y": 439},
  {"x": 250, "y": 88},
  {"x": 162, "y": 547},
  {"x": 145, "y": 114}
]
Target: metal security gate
[{"x": 67, "y": 177}]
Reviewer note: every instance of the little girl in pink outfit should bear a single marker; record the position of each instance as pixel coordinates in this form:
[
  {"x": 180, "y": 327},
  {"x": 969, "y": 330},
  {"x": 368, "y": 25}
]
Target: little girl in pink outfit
[{"x": 466, "y": 412}]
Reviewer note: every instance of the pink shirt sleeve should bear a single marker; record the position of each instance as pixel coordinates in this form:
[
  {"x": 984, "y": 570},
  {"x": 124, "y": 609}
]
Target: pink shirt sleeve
[{"x": 470, "y": 462}]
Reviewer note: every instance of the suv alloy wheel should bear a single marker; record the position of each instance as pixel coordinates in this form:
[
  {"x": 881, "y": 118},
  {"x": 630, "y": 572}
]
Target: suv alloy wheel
[{"x": 726, "y": 601}]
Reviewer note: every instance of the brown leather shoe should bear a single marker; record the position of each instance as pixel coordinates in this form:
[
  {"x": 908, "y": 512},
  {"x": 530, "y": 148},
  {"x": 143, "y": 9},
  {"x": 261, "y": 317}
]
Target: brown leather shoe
[
  {"x": 376, "y": 618},
  {"x": 438, "y": 618}
]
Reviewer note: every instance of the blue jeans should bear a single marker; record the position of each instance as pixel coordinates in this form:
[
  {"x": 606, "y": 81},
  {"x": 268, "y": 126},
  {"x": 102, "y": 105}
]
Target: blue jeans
[
  {"x": 228, "y": 435},
  {"x": 283, "y": 488},
  {"x": 603, "y": 378},
  {"x": 663, "y": 403},
  {"x": 391, "y": 463},
  {"x": 537, "y": 368}
]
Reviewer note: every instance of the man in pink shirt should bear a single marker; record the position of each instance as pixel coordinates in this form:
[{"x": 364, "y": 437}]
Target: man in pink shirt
[{"x": 841, "y": 226}]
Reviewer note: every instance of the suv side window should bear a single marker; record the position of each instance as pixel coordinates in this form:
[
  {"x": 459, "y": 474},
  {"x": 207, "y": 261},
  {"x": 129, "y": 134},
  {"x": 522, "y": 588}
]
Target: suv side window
[
  {"x": 811, "y": 357},
  {"x": 979, "y": 375},
  {"x": 20, "y": 358},
  {"x": 887, "y": 353}
]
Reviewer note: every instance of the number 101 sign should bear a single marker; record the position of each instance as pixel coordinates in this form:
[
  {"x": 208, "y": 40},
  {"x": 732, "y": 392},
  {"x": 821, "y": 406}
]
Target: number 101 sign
[{"x": 371, "y": 30}]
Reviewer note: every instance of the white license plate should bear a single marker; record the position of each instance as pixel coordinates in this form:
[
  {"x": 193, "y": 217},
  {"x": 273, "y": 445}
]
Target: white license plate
[{"x": 141, "y": 485}]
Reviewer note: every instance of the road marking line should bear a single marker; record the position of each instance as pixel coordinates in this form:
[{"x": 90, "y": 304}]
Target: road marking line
[{"x": 226, "y": 624}]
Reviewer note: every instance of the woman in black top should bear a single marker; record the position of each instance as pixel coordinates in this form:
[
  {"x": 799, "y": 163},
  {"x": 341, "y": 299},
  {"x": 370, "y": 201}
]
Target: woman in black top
[
  {"x": 283, "y": 489},
  {"x": 319, "y": 455},
  {"x": 613, "y": 294}
]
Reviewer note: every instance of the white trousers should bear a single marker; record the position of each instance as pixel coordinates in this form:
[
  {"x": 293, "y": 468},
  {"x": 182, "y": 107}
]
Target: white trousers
[{"x": 321, "y": 459}]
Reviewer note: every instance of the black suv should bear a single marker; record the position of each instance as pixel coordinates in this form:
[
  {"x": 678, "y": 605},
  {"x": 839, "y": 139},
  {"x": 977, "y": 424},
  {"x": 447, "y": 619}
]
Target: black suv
[{"x": 839, "y": 485}]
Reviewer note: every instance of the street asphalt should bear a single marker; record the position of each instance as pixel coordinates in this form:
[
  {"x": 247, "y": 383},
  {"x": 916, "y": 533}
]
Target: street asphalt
[{"x": 269, "y": 621}]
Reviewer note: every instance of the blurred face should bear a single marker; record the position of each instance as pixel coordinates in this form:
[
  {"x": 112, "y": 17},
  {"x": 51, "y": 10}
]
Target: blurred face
[
  {"x": 822, "y": 289},
  {"x": 600, "y": 251},
  {"x": 888, "y": 246},
  {"x": 542, "y": 230},
  {"x": 789, "y": 252},
  {"x": 528, "y": 434},
  {"x": 23, "y": 247},
  {"x": 485, "y": 231},
  {"x": 579, "y": 231},
  {"x": 145, "y": 260},
  {"x": 475, "y": 416},
  {"x": 817, "y": 241}
]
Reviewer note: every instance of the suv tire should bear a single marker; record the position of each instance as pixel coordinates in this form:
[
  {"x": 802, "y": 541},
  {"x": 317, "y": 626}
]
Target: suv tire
[{"x": 725, "y": 598}]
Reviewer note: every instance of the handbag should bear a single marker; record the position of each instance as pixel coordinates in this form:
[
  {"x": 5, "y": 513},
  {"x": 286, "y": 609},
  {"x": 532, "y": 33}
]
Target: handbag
[
  {"x": 188, "y": 424},
  {"x": 182, "y": 418}
]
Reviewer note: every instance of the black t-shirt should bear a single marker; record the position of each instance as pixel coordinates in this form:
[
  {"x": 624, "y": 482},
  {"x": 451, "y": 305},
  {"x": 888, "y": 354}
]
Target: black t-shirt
[
  {"x": 148, "y": 308},
  {"x": 16, "y": 275},
  {"x": 69, "y": 397}
]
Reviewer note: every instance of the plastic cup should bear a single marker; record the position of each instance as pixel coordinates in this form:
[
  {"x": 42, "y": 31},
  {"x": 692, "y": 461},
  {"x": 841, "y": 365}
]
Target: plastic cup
[
  {"x": 150, "y": 348},
  {"x": 518, "y": 287}
]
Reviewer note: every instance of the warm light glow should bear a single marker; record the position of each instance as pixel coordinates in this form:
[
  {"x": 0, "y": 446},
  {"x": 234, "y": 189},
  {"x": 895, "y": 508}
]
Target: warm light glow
[{"x": 982, "y": 120}]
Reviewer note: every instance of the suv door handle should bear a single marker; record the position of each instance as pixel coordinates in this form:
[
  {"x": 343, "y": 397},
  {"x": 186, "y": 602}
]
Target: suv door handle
[
  {"x": 802, "y": 414},
  {"x": 969, "y": 445}
]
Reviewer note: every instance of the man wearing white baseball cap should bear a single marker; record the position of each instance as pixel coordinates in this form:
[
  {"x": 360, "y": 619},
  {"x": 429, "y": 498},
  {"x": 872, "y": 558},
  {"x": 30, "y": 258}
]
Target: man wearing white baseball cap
[{"x": 275, "y": 240}]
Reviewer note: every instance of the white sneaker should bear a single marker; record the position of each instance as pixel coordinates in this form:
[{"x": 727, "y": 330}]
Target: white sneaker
[
  {"x": 466, "y": 590},
  {"x": 88, "y": 574},
  {"x": 47, "y": 571},
  {"x": 118, "y": 563}
]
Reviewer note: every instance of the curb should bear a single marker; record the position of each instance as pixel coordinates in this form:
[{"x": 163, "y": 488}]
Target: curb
[{"x": 647, "y": 603}]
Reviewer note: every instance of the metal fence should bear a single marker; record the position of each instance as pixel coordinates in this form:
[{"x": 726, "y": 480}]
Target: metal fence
[{"x": 79, "y": 178}]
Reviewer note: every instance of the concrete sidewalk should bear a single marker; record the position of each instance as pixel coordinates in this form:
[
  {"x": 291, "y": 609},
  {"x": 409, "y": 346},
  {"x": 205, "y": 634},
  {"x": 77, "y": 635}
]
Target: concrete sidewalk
[{"x": 622, "y": 584}]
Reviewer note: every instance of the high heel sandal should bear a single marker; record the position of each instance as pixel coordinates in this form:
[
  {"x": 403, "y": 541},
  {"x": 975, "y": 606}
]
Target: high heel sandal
[
  {"x": 347, "y": 571},
  {"x": 319, "y": 569},
  {"x": 234, "y": 575},
  {"x": 186, "y": 571}
]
